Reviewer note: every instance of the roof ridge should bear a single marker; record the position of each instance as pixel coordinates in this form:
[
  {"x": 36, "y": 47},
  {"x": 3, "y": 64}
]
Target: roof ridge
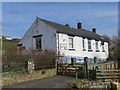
[
  {"x": 73, "y": 31},
  {"x": 67, "y": 26},
  {"x": 56, "y": 23}
]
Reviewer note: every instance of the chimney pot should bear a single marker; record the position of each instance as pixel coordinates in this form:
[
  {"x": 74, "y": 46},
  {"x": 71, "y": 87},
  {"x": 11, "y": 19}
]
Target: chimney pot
[
  {"x": 94, "y": 30},
  {"x": 79, "y": 25},
  {"x": 68, "y": 25}
]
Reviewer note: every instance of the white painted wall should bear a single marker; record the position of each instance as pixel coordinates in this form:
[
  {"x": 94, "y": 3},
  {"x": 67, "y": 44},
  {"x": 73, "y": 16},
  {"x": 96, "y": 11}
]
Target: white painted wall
[
  {"x": 48, "y": 38},
  {"x": 27, "y": 39},
  {"x": 64, "y": 39},
  {"x": 8, "y": 38}
]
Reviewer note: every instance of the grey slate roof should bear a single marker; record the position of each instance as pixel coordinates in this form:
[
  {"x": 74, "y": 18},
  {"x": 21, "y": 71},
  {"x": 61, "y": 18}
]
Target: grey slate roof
[{"x": 72, "y": 31}]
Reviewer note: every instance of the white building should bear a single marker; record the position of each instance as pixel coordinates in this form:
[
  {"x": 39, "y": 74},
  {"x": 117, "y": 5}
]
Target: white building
[
  {"x": 67, "y": 41},
  {"x": 5, "y": 37}
]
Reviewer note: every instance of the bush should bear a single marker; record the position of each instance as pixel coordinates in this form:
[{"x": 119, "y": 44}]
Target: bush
[
  {"x": 12, "y": 60},
  {"x": 11, "y": 55},
  {"x": 44, "y": 59},
  {"x": 14, "y": 55}
]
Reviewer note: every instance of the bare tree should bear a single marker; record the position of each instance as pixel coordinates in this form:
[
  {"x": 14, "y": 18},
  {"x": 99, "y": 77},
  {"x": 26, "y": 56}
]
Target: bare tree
[
  {"x": 108, "y": 39},
  {"x": 116, "y": 45}
]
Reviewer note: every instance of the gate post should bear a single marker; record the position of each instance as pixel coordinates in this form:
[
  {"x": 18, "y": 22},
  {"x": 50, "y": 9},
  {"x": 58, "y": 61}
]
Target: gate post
[
  {"x": 86, "y": 67},
  {"x": 30, "y": 66},
  {"x": 119, "y": 68},
  {"x": 56, "y": 66},
  {"x": 73, "y": 61}
]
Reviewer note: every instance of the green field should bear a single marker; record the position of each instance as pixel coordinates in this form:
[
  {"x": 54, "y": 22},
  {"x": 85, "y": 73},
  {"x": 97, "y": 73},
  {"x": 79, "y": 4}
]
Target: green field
[{"x": 7, "y": 43}]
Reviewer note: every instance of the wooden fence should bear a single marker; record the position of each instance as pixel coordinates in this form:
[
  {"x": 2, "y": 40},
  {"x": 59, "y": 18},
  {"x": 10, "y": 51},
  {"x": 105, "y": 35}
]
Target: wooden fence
[
  {"x": 25, "y": 66},
  {"x": 14, "y": 67},
  {"x": 108, "y": 74}
]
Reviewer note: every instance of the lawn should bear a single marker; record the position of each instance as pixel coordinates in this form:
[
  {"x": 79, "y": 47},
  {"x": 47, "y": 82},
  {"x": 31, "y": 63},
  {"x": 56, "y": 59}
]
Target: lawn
[{"x": 6, "y": 43}]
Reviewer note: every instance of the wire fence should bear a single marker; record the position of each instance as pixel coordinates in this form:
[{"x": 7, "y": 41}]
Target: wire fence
[
  {"x": 17, "y": 59},
  {"x": 24, "y": 66},
  {"x": 43, "y": 65},
  {"x": 14, "y": 67}
]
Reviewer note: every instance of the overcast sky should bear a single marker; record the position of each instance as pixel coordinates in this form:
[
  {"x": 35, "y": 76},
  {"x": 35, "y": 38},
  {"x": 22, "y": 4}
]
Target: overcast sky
[{"x": 18, "y": 17}]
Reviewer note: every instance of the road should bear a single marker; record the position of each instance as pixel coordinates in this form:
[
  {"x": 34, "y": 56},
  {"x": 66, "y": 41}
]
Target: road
[{"x": 51, "y": 82}]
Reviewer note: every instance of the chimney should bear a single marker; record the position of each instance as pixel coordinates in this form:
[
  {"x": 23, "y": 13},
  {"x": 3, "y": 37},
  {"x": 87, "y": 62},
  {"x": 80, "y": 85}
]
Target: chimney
[
  {"x": 68, "y": 25},
  {"x": 79, "y": 25},
  {"x": 94, "y": 30}
]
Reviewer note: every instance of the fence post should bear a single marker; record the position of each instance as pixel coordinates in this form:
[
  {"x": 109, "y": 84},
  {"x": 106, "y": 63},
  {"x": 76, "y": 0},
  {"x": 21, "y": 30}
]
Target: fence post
[
  {"x": 76, "y": 75},
  {"x": 119, "y": 68},
  {"x": 30, "y": 66},
  {"x": 86, "y": 67},
  {"x": 56, "y": 66},
  {"x": 73, "y": 61}
]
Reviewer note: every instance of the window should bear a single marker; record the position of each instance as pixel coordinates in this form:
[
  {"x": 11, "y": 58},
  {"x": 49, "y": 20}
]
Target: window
[
  {"x": 38, "y": 43},
  {"x": 83, "y": 43},
  {"x": 71, "y": 42},
  {"x": 103, "y": 49},
  {"x": 89, "y": 45},
  {"x": 96, "y": 45}
]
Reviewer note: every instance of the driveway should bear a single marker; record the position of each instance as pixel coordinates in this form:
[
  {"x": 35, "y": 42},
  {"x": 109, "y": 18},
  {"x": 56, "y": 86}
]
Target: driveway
[{"x": 51, "y": 82}]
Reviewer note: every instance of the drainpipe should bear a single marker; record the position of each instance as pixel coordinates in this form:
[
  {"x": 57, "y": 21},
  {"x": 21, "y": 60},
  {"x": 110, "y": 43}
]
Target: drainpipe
[
  {"x": 58, "y": 45},
  {"x": 57, "y": 52}
]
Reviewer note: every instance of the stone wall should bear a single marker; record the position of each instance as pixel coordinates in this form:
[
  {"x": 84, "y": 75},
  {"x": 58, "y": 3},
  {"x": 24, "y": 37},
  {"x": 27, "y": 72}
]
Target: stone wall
[
  {"x": 16, "y": 77},
  {"x": 92, "y": 85},
  {"x": 115, "y": 85}
]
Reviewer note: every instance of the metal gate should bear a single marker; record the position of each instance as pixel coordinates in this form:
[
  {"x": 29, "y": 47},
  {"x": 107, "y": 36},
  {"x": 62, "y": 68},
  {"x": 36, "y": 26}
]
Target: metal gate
[{"x": 70, "y": 69}]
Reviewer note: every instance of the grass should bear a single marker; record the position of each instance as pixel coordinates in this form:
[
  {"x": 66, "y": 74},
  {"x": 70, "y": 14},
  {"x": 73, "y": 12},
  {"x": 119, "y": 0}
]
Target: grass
[{"x": 7, "y": 43}]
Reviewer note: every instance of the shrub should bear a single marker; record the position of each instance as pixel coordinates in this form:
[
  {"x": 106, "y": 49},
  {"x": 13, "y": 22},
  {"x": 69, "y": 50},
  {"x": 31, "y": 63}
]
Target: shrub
[
  {"x": 44, "y": 59},
  {"x": 14, "y": 55}
]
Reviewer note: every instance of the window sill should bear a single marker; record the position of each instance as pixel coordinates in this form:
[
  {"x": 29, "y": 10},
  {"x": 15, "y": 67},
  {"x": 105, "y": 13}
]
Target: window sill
[
  {"x": 84, "y": 49},
  {"x": 89, "y": 50},
  {"x": 97, "y": 50},
  {"x": 71, "y": 49},
  {"x": 38, "y": 49}
]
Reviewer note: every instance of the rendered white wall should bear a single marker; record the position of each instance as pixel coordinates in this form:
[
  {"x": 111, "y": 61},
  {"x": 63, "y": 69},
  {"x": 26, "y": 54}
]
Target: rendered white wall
[
  {"x": 79, "y": 48},
  {"x": 48, "y": 38},
  {"x": 27, "y": 38}
]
